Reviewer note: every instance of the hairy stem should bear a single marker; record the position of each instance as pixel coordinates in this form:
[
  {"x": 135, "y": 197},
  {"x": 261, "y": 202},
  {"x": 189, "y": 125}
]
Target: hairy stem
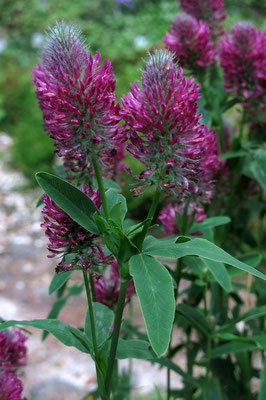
[
  {"x": 117, "y": 325},
  {"x": 101, "y": 187},
  {"x": 151, "y": 213},
  {"x": 93, "y": 332},
  {"x": 208, "y": 356}
]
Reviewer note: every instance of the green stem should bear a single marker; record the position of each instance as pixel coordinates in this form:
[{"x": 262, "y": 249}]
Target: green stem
[
  {"x": 242, "y": 125},
  {"x": 168, "y": 384},
  {"x": 101, "y": 187},
  {"x": 117, "y": 325},
  {"x": 208, "y": 356},
  {"x": 92, "y": 289},
  {"x": 150, "y": 216},
  {"x": 93, "y": 332}
]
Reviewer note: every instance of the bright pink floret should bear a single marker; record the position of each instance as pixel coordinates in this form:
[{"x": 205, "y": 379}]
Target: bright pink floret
[
  {"x": 10, "y": 386},
  {"x": 76, "y": 96},
  {"x": 189, "y": 40},
  {"x": 211, "y": 11},
  {"x": 13, "y": 351},
  {"x": 164, "y": 129},
  {"x": 168, "y": 216},
  {"x": 107, "y": 288}
]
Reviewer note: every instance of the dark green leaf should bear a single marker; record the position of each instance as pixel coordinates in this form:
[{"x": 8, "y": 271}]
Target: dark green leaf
[
  {"x": 113, "y": 198},
  {"x": 134, "y": 348},
  {"x": 255, "y": 165},
  {"x": 155, "y": 290},
  {"x": 211, "y": 222},
  {"x": 70, "y": 199},
  {"x": 255, "y": 343},
  {"x": 173, "y": 367},
  {"x": 58, "y": 281},
  {"x": 232, "y": 154},
  {"x": 199, "y": 247},
  {"x": 220, "y": 273},
  {"x": 116, "y": 214},
  {"x": 255, "y": 312},
  {"x": 262, "y": 392},
  {"x": 103, "y": 319},
  {"x": 65, "y": 333},
  {"x": 196, "y": 318}
]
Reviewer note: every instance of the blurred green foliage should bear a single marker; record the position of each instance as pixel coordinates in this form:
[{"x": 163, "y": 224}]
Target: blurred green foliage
[{"x": 122, "y": 34}]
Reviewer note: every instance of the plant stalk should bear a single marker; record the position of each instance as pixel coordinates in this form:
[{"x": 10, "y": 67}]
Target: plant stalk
[
  {"x": 208, "y": 356},
  {"x": 101, "y": 187},
  {"x": 117, "y": 325},
  {"x": 93, "y": 332},
  {"x": 151, "y": 213}
]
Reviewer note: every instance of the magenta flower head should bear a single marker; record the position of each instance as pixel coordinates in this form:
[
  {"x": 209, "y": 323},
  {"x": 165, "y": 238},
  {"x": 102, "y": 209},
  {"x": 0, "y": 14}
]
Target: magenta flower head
[
  {"x": 243, "y": 59},
  {"x": 164, "y": 129},
  {"x": 68, "y": 237},
  {"x": 211, "y": 11},
  {"x": 10, "y": 386},
  {"x": 77, "y": 99},
  {"x": 107, "y": 287},
  {"x": 189, "y": 40},
  {"x": 13, "y": 351},
  {"x": 168, "y": 216}
]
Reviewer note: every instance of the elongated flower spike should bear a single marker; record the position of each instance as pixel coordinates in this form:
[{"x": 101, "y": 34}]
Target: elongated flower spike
[
  {"x": 68, "y": 237},
  {"x": 243, "y": 59},
  {"x": 189, "y": 40},
  {"x": 211, "y": 11},
  {"x": 77, "y": 99},
  {"x": 164, "y": 132}
]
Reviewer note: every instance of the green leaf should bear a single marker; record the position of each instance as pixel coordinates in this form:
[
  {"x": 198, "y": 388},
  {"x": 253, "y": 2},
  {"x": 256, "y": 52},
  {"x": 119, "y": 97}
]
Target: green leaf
[
  {"x": 232, "y": 154},
  {"x": 103, "y": 319},
  {"x": 198, "y": 247},
  {"x": 116, "y": 214},
  {"x": 208, "y": 223},
  {"x": 262, "y": 392},
  {"x": 254, "y": 313},
  {"x": 134, "y": 348},
  {"x": 65, "y": 333},
  {"x": 58, "y": 281},
  {"x": 196, "y": 318},
  {"x": 113, "y": 198},
  {"x": 54, "y": 312},
  {"x": 165, "y": 362},
  {"x": 220, "y": 273},
  {"x": 255, "y": 165},
  {"x": 255, "y": 343},
  {"x": 60, "y": 303},
  {"x": 215, "y": 389},
  {"x": 155, "y": 290},
  {"x": 107, "y": 184},
  {"x": 70, "y": 199}
]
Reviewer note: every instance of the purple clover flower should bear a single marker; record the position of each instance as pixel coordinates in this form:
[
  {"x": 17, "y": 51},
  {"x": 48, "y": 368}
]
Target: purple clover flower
[
  {"x": 164, "y": 130},
  {"x": 77, "y": 99},
  {"x": 10, "y": 386},
  {"x": 168, "y": 216},
  {"x": 107, "y": 288},
  {"x": 243, "y": 59},
  {"x": 211, "y": 11},
  {"x": 189, "y": 40},
  {"x": 68, "y": 237},
  {"x": 12, "y": 349}
]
